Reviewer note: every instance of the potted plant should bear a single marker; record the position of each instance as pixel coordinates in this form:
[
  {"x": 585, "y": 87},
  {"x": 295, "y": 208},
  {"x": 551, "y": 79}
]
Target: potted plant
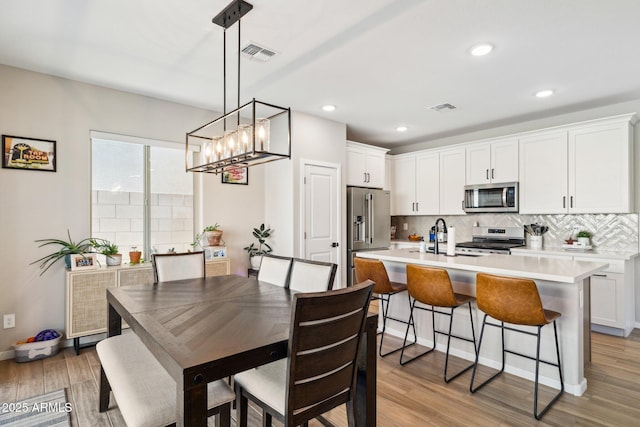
[
  {"x": 108, "y": 249},
  {"x": 134, "y": 255},
  {"x": 255, "y": 252},
  {"x": 67, "y": 248},
  {"x": 584, "y": 237},
  {"x": 211, "y": 235}
]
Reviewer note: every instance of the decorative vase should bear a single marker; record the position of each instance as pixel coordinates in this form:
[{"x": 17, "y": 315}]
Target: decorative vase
[
  {"x": 115, "y": 259},
  {"x": 212, "y": 238},
  {"x": 255, "y": 261},
  {"x": 134, "y": 257}
]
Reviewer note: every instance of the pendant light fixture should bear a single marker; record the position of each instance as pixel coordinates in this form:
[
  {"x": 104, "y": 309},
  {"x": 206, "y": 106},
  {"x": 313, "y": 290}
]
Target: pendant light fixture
[{"x": 253, "y": 133}]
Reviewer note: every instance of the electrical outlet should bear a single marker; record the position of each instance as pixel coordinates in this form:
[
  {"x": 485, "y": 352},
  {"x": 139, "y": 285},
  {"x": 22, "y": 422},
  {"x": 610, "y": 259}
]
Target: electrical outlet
[
  {"x": 405, "y": 226},
  {"x": 9, "y": 321}
]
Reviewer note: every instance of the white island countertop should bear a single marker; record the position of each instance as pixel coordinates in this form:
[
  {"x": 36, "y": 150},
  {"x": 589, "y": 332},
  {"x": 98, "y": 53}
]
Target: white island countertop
[
  {"x": 575, "y": 252},
  {"x": 553, "y": 270}
]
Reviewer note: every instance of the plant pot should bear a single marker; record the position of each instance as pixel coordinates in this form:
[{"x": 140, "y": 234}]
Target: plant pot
[
  {"x": 255, "y": 261},
  {"x": 212, "y": 238},
  {"x": 583, "y": 241},
  {"x": 134, "y": 257},
  {"x": 115, "y": 259}
]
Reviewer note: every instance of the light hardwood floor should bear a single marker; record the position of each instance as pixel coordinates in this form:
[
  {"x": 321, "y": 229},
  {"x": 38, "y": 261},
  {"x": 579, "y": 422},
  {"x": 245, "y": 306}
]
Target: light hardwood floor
[{"x": 412, "y": 395}]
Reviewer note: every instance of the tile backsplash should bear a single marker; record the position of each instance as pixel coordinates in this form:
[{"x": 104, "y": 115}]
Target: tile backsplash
[{"x": 613, "y": 232}]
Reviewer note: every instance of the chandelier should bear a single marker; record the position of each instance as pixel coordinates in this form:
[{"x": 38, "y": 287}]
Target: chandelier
[{"x": 253, "y": 133}]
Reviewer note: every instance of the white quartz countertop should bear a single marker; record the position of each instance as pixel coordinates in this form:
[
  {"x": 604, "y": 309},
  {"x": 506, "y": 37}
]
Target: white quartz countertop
[
  {"x": 592, "y": 253},
  {"x": 550, "y": 269}
]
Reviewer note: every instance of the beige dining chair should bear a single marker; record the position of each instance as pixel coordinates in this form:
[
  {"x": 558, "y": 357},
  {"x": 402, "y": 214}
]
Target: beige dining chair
[
  {"x": 320, "y": 372},
  {"x": 312, "y": 276},
  {"x": 275, "y": 269},
  {"x": 144, "y": 390},
  {"x": 186, "y": 265}
]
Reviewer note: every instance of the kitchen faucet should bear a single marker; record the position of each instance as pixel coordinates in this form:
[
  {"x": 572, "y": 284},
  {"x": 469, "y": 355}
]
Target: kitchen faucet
[{"x": 444, "y": 230}]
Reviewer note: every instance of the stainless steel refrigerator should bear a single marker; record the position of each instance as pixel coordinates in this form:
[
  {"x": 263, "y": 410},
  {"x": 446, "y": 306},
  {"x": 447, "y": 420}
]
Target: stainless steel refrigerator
[{"x": 369, "y": 223}]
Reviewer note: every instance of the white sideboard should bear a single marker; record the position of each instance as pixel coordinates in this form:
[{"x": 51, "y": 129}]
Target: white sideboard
[{"x": 86, "y": 293}]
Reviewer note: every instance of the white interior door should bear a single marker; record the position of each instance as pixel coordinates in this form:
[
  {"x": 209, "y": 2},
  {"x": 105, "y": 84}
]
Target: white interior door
[{"x": 321, "y": 214}]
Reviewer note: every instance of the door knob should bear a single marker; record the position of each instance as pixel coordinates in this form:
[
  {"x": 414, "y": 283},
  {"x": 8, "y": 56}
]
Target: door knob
[{"x": 335, "y": 244}]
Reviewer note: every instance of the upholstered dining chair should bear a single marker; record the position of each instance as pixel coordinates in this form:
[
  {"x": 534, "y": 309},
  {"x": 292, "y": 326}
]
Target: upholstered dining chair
[
  {"x": 320, "y": 372},
  {"x": 374, "y": 270},
  {"x": 312, "y": 276},
  {"x": 275, "y": 269},
  {"x": 186, "y": 265}
]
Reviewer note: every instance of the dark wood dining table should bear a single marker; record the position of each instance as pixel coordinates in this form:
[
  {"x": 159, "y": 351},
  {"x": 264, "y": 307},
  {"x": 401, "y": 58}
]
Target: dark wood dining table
[{"x": 202, "y": 330}]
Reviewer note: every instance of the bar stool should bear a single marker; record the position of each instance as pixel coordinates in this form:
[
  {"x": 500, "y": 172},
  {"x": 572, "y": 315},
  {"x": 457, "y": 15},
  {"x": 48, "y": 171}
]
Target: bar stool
[
  {"x": 432, "y": 286},
  {"x": 374, "y": 270},
  {"x": 515, "y": 301}
]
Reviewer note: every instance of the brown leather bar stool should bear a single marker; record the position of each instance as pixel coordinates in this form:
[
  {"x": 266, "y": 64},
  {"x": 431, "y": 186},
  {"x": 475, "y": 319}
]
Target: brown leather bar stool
[
  {"x": 374, "y": 270},
  {"x": 515, "y": 301},
  {"x": 432, "y": 286}
]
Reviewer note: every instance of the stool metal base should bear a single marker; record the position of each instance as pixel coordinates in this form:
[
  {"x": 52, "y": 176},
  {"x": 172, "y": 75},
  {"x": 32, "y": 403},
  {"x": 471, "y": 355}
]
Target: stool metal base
[
  {"x": 435, "y": 331},
  {"x": 536, "y": 414},
  {"x": 384, "y": 300}
]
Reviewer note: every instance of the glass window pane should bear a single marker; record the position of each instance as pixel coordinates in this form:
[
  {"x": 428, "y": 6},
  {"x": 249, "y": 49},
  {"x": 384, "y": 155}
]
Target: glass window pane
[
  {"x": 118, "y": 194},
  {"x": 171, "y": 201}
]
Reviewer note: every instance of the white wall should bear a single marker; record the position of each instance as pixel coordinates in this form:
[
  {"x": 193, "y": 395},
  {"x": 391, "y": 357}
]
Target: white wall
[{"x": 37, "y": 205}]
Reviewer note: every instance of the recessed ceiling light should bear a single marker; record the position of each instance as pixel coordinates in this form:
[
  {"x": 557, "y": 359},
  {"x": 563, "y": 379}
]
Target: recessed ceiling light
[
  {"x": 329, "y": 107},
  {"x": 544, "y": 93},
  {"x": 481, "y": 49},
  {"x": 402, "y": 128}
]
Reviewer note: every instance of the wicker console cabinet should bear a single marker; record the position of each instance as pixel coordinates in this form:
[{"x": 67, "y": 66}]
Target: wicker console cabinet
[{"x": 86, "y": 304}]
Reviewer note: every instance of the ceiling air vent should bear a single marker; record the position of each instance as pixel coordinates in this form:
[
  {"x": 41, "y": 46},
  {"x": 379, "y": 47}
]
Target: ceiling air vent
[
  {"x": 255, "y": 51},
  {"x": 443, "y": 107}
]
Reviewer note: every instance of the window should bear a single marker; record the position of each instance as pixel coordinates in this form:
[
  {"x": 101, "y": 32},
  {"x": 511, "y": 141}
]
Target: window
[{"x": 141, "y": 195}]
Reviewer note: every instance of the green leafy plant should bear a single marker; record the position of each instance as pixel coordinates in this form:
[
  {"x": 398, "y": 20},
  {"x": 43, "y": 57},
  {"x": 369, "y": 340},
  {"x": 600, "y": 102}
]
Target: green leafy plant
[
  {"x": 104, "y": 247},
  {"x": 67, "y": 247},
  {"x": 261, "y": 233},
  {"x": 583, "y": 233},
  {"x": 198, "y": 238}
]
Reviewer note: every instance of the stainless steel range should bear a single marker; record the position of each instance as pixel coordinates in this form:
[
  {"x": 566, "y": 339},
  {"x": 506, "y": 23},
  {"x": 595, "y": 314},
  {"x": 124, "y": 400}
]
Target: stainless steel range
[{"x": 493, "y": 240}]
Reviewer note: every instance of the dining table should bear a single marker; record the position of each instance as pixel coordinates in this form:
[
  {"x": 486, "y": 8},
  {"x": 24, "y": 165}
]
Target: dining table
[{"x": 205, "y": 329}]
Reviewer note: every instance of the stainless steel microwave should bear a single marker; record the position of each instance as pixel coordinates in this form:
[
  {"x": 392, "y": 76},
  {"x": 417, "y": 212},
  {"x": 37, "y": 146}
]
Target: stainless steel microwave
[{"x": 502, "y": 197}]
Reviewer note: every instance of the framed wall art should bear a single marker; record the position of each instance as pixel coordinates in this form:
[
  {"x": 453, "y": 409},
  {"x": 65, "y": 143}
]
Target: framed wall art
[
  {"x": 28, "y": 153},
  {"x": 236, "y": 176},
  {"x": 84, "y": 262}
]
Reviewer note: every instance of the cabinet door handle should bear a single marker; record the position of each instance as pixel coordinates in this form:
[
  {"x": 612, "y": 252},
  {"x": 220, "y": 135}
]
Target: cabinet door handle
[
  {"x": 571, "y": 202},
  {"x": 600, "y": 275},
  {"x": 417, "y": 207},
  {"x": 413, "y": 206},
  {"x": 364, "y": 175},
  {"x": 368, "y": 177},
  {"x": 492, "y": 173},
  {"x": 487, "y": 174},
  {"x": 564, "y": 202}
]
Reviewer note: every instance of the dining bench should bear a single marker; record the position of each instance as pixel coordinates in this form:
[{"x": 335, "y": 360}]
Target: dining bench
[{"x": 144, "y": 390}]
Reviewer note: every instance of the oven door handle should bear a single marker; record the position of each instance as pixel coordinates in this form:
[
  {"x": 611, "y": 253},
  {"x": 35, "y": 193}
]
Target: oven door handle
[{"x": 504, "y": 197}]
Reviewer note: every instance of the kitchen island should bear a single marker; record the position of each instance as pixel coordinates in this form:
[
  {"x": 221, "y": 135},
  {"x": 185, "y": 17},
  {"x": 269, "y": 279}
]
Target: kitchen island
[{"x": 564, "y": 286}]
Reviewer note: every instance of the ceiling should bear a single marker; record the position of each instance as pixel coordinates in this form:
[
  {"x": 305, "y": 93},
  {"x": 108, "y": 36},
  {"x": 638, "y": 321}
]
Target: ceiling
[{"x": 382, "y": 63}]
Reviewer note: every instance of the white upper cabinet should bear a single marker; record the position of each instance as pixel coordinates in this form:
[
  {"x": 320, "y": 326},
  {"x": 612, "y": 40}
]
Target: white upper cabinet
[
  {"x": 429, "y": 183},
  {"x": 600, "y": 159},
  {"x": 495, "y": 161},
  {"x": 583, "y": 169},
  {"x": 452, "y": 178},
  {"x": 365, "y": 165},
  {"x": 543, "y": 173}
]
